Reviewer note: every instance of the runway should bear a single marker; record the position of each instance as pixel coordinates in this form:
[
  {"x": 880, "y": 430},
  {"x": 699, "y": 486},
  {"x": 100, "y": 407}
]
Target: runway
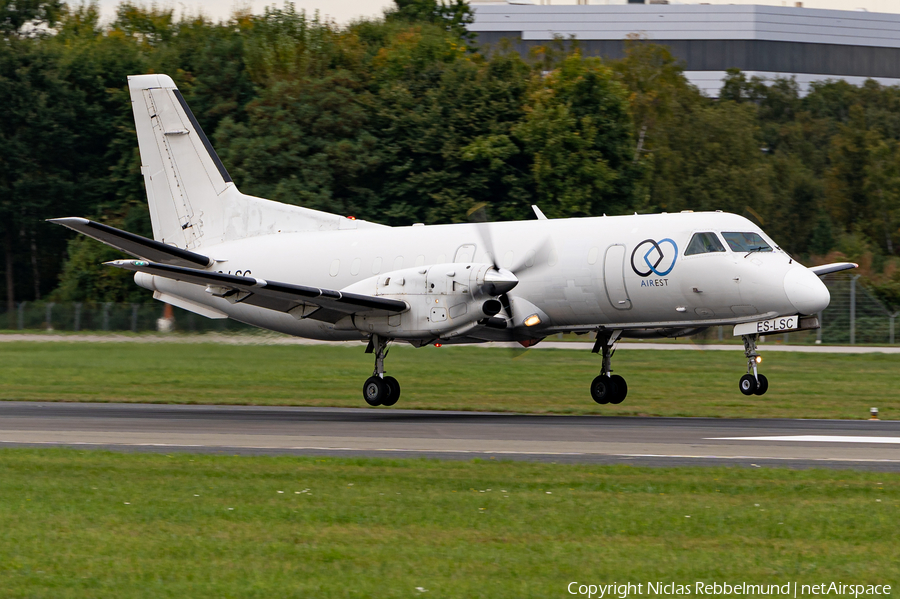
[{"x": 870, "y": 445}]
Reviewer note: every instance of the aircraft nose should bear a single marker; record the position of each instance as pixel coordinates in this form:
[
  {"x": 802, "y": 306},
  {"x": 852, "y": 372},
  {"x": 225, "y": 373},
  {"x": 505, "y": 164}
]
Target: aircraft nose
[{"x": 806, "y": 291}]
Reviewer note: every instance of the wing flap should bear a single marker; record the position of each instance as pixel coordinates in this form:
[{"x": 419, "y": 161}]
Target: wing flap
[
  {"x": 326, "y": 304},
  {"x": 135, "y": 245}
]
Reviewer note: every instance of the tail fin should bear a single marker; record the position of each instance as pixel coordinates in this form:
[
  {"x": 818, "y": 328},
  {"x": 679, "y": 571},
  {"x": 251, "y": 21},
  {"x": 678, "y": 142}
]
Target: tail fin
[
  {"x": 193, "y": 201},
  {"x": 183, "y": 175}
]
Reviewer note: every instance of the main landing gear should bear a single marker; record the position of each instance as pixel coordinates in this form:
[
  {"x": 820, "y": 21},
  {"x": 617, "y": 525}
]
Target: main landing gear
[
  {"x": 608, "y": 388},
  {"x": 752, "y": 383},
  {"x": 380, "y": 390}
]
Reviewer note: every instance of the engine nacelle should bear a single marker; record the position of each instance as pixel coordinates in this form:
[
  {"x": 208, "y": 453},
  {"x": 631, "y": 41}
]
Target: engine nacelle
[{"x": 444, "y": 300}]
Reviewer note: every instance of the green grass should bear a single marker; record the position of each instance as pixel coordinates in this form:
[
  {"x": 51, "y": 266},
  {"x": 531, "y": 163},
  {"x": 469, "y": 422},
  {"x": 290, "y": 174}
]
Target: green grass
[
  {"x": 98, "y": 524},
  {"x": 664, "y": 383}
]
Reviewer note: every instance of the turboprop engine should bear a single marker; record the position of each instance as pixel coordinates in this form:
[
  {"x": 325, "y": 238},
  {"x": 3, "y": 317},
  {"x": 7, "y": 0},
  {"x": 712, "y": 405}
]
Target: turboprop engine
[{"x": 445, "y": 300}]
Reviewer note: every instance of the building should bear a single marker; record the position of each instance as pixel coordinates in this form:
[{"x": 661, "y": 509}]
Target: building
[{"x": 767, "y": 41}]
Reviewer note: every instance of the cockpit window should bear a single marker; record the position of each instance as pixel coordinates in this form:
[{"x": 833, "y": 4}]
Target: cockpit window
[
  {"x": 704, "y": 243},
  {"x": 746, "y": 242}
]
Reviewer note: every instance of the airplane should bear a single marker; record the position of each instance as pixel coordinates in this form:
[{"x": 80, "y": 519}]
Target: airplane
[{"x": 223, "y": 254}]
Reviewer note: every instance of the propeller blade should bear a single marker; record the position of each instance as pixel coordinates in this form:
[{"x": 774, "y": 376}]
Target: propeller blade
[
  {"x": 538, "y": 258},
  {"x": 507, "y": 308},
  {"x": 478, "y": 216}
]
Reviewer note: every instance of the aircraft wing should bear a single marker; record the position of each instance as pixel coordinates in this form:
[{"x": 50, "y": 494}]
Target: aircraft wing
[
  {"x": 303, "y": 302},
  {"x": 830, "y": 268},
  {"x": 137, "y": 246}
]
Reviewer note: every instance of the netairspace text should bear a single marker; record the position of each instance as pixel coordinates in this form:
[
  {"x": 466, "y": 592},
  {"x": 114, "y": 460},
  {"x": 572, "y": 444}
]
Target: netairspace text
[{"x": 789, "y": 589}]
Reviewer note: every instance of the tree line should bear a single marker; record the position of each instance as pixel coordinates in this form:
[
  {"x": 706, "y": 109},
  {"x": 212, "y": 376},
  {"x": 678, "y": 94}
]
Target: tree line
[{"x": 406, "y": 119}]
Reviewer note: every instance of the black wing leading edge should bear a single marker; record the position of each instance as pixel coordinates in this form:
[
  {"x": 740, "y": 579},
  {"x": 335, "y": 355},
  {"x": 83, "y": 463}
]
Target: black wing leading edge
[{"x": 135, "y": 245}]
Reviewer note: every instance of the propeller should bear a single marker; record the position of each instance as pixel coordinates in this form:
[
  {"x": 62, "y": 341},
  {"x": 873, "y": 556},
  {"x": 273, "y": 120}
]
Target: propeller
[{"x": 503, "y": 280}]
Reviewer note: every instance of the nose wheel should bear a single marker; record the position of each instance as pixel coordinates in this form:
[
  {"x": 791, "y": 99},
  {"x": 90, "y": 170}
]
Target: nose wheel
[
  {"x": 752, "y": 383},
  {"x": 607, "y": 388},
  {"x": 380, "y": 390}
]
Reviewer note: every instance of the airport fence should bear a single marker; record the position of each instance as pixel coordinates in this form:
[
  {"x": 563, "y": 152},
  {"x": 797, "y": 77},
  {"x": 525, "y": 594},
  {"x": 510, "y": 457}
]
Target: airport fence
[
  {"x": 854, "y": 316},
  {"x": 93, "y": 317}
]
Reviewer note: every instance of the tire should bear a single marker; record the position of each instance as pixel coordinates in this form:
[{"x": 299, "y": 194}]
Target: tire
[
  {"x": 621, "y": 389},
  {"x": 762, "y": 385},
  {"x": 375, "y": 391},
  {"x": 393, "y": 391},
  {"x": 748, "y": 384},
  {"x": 603, "y": 389}
]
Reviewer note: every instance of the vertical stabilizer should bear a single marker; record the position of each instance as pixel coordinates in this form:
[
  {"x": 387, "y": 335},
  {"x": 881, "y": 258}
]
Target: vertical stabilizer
[
  {"x": 193, "y": 201},
  {"x": 182, "y": 173}
]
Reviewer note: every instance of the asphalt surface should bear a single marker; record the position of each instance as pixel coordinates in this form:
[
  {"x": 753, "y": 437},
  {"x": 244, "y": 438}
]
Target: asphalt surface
[{"x": 870, "y": 445}]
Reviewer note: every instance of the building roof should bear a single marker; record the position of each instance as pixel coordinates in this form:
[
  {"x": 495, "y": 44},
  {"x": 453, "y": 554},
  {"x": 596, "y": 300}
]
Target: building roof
[{"x": 690, "y": 22}]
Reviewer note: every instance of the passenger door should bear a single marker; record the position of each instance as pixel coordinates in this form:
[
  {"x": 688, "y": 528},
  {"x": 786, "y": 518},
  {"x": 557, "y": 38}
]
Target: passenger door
[{"x": 614, "y": 277}]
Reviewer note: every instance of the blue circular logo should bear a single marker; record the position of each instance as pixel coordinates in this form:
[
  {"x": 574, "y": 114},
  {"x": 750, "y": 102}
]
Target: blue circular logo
[{"x": 649, "y": 258}]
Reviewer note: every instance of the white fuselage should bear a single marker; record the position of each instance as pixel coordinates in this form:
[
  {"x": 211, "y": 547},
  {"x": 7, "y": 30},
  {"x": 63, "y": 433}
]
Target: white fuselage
[{"x": 624, "y": 272}]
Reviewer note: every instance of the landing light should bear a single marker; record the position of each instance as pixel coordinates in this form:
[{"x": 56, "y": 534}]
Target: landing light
[
  {"x": 758, "y": 359},
  {"x": 532, "y": 320}
]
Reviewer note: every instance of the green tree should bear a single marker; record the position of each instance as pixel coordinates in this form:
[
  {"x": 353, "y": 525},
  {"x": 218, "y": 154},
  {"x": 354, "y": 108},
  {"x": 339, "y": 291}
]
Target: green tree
[
  {"x": 445, "y": 127},
  {"x": 306, "y": 142},
  {"x": 577, "y": 132},
  {"x": 659, "y": 97},
  {"x": 712, "y": 160},
  {"x": 453, "y": 15},
  {"x": 24, "y": 17},
  {"x": 39, "y": 152}
]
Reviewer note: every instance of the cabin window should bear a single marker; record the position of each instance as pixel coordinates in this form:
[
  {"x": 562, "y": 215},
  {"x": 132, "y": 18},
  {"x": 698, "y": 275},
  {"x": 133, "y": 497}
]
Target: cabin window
[
  {"x": 746, "y": 242},
  {"x": 704, "y": 243}
]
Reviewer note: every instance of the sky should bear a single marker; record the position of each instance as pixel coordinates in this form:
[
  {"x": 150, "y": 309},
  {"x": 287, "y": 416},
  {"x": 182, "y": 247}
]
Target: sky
[{"x": 344, "y": 11}]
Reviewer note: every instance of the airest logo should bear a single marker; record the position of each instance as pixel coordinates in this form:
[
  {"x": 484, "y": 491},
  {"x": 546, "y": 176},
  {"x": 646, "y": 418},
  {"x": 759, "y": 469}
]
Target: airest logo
[{"x": 651, "y": 257}]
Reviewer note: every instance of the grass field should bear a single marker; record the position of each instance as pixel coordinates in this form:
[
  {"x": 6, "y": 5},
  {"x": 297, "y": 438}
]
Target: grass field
[
  {"x": 98, "y": 524},
  {"x": 664, "y": 383}
]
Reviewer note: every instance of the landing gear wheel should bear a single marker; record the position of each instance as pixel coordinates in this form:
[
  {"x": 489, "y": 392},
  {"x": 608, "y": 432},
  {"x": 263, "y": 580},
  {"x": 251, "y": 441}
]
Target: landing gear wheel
[
  {"x": 762, "y": 385},
  {"x": 375, "y": 391},
  {"x": 748, "y": 384},
  {"x": 603, "y": 390},
  {"x": 621, "y": 389},
  {"x": 394, "y": 391}
]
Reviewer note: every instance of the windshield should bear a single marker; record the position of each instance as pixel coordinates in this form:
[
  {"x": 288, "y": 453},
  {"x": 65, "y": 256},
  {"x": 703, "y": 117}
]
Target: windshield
[
  {"x": 746, "y": 242},
  {"x": 703, "y": 243}
]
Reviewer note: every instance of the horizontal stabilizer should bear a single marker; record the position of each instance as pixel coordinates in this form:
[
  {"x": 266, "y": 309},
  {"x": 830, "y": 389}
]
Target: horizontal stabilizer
[
  {"x": 304, "y": 302},
  {"x": 135, "y": 245},
  {"x": 826, "y": 269}
]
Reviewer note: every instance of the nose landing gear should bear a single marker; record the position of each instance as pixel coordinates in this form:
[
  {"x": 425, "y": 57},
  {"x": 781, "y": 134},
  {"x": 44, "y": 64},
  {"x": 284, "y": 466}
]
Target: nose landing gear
[
  {"x": 752, "y": 383},
  {"x": 380, "y": 390},
  {"x": 607, "y": 388}
]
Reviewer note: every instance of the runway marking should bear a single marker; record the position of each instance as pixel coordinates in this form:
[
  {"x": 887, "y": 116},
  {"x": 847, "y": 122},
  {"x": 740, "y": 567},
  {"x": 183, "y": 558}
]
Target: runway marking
[
  {"x": 444, "y": 451},
  {"x": 813, "y": 439}
]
